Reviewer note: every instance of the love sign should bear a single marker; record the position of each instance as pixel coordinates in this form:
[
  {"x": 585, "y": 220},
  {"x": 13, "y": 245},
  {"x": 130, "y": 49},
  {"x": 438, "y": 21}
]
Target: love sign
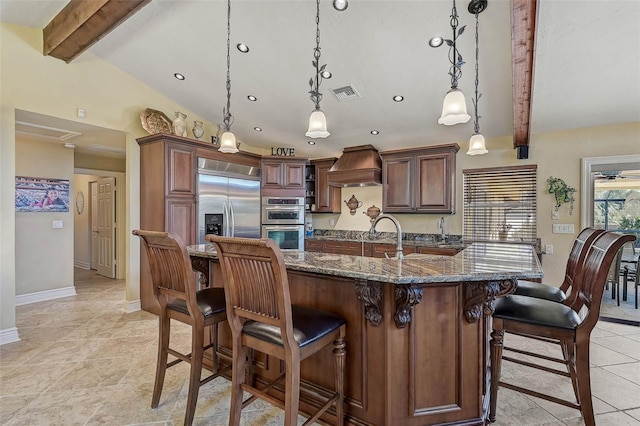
[{"x": 283, "y": 152}]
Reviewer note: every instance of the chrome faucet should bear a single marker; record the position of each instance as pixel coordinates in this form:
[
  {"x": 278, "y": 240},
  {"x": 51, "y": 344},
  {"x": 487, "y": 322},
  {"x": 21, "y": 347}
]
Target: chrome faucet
[
  {"x": 395, "y": 221},
  {"x": 443, "y": 235}
]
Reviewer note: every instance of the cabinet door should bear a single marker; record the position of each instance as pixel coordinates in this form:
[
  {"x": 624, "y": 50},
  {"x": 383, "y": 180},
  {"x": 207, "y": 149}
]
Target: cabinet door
[
  {"x": 397, "y": 193},
  {"x": 443, "y": 251},
  {"x": 327, "y": 197},
  {"x": 434, "y": 192},
  {"x": 313, "y": 245},
  {"x": 181, "y": 177},
  {"x": 180, "y": 218},
  {"x": 272, "y": 174},
  {"x": 294, "y": 175}
]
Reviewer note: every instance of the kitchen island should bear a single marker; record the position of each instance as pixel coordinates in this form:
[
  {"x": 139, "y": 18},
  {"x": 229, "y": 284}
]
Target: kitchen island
[{"x": 417, "y": 328}]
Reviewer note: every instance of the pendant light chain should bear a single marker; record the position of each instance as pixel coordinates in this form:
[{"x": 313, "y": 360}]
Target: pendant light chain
[
  {"x": 476, "y": 123},
  {"x": 228, "y": 118},
  {"x": 316, "y": 96},
  {"x": 454, "y": 56}
]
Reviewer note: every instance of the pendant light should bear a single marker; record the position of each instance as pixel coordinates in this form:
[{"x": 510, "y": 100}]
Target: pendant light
[
  {"x": 476, "y": 143},
  {"x": 454, "y": 107},
  {"x": 317, "y": 120},
  {"x": 228, "y": 140}
]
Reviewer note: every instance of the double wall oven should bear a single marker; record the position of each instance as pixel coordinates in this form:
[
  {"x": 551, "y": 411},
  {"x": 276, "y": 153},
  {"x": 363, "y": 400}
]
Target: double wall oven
[{"x": 283, "y": 221}]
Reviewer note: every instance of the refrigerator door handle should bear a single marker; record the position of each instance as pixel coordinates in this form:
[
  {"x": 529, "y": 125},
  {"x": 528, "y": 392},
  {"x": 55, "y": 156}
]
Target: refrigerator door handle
[
  {"x": 233, "y": 219},
  {"x": 226, "y": 219}
]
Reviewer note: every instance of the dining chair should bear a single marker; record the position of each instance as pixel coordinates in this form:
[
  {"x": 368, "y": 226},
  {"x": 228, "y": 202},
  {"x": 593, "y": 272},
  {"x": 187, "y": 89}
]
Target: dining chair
[
  {"x": 569, "y": 326},
  {"x": 555, "y": 293},
  {"x": 262, "y": 318},
  {"x": 631, "y": 273},
  {"x": 174, "y": 286}
]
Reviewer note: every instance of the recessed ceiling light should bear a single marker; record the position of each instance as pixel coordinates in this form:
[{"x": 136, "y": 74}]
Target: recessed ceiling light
[
  {"x": 326, "y": 74},
  {"x": 374, "y": 132},
  {"x": 311, "y": 142},
  {"x": 257, "y": 129},
  {"x": 252, "y": 98},
  {"x": 243, "y": 47},
  {"x": 179, "y": 76},
  {"x": 398, "y": 98},
  {"x": 436, "y": 41},
  {"x": 340, "y": 5}
]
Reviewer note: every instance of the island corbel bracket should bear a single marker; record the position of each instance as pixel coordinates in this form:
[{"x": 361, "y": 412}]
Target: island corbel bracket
[
  {"x": 481, "y": 296},
  {"x": 201, "y": 265},
  {"x": 370, "y": 294},
  {"x": 406, "y": 297}
]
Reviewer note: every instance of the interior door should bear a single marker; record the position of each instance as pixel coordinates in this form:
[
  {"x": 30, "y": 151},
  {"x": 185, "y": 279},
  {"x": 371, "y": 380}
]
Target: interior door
[
  {"x": 106, "y": 227},
  {"x": 94, "y": 225}
]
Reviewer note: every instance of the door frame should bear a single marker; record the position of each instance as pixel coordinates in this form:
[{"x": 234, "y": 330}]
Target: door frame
[
  {"x": 586, "y": 198},
  {"x": 121, "y": 211}
]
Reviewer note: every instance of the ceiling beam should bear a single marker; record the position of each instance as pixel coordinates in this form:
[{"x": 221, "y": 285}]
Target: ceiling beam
[
  {"x": 81, "y": 23},
  {"x": 523, "y": 30}
]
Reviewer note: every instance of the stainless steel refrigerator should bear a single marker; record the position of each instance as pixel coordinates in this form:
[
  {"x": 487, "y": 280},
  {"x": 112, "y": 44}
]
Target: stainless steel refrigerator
[{"x": 232, "y": 190}]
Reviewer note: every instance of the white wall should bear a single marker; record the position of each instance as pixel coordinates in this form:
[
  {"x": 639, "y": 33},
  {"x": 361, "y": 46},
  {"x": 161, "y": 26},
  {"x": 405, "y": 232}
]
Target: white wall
[{"x": 81, "y": 222}]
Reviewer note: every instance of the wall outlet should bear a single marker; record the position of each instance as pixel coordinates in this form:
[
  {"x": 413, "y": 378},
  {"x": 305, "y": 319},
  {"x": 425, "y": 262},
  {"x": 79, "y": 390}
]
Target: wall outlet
[
  {"x": 548, "y": 249},
  {"x": 332, "y": 222},
  {"x": 58, "y": 224},
  {"x": 563, "y": 228},
  {"x": 555, "y": 214}
]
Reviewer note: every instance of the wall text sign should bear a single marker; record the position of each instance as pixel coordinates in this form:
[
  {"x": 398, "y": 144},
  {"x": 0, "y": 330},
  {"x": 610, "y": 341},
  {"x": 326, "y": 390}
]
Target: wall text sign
[{"x": 283, "y": 152}]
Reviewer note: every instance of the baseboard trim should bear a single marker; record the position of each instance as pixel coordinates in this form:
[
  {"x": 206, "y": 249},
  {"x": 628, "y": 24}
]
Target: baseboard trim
[
  {"x": 41, "y": 296},
  {"x": 9, "y": 335},
  {"x": 133, "y": 306},
  {"x": 621, "y": 321},
  {"x": 82, "y": 265}
]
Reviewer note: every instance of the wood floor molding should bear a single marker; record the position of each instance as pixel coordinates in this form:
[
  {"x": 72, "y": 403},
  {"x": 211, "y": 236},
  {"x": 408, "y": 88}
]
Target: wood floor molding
[{"x": 41, "y": 296}]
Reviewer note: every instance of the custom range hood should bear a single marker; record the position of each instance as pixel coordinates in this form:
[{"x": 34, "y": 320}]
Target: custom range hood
[{"x": 358, "y": 166}]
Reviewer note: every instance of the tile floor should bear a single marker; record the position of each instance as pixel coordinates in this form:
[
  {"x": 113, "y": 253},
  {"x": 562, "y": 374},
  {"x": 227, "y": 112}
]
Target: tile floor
[{"x": 83, "y": 361}]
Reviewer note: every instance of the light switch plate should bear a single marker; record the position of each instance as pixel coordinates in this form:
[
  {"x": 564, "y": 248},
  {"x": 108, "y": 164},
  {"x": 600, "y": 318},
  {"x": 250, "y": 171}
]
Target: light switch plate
[
  {"x": 563, "y": 228},
  {"x": 58, "y": 224},
  {"x": 555, "y": 214},
  {"x": 548, "y": 249}
]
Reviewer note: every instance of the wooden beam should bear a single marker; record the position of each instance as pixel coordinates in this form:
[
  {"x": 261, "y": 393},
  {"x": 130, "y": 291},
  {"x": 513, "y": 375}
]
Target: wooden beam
[
  {"x": 523, "y": 29},
  {"x": 82, "y": 23}
]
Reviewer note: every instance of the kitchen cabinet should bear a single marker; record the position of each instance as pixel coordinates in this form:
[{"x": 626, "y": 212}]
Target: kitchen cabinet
[
  {"x": 168, "y": 189},
  {"x": 353, "y": 248},
  {"x": 419, "y": 180},
  {"x": 326, "y": 198},
  {"x": 283, "y": 173},
  {"x": 442, "y": 251},
  {"x": 313, "y": 245}
]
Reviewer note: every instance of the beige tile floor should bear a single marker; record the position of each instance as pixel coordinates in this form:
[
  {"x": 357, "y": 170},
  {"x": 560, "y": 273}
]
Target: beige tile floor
[{"x": 83, "y": 361}]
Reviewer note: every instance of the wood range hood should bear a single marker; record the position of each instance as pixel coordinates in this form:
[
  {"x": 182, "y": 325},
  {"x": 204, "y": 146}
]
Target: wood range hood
[{"x": 358, "y": 166}]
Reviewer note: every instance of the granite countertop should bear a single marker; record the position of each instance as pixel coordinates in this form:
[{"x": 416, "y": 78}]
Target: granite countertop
[
  {"x": 408, "y": 239},
  {"x": 478, "y": 262}
]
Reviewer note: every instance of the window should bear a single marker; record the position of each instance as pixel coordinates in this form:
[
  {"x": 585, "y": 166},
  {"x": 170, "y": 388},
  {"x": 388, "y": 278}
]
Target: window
[{"x": 500, "y": 204}]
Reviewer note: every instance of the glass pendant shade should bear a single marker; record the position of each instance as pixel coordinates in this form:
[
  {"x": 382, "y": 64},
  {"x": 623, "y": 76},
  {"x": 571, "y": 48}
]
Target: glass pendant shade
[
  {"x": 317, "y": 125},
  {"x": 454, "y": 109},
  {"x": 476, "y": 145},
  {"x": 228, "y": 143}
]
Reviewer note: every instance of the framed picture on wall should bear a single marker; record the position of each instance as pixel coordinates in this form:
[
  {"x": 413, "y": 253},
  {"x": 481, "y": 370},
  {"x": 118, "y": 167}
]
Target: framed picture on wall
[{"x": 35, "y": 194}]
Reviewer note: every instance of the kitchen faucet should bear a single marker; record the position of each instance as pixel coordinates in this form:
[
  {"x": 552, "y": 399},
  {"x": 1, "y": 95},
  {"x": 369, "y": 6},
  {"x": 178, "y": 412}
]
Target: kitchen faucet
[
  {"x": 443, "y": 235},
  {"x": 395, "y": 221}
]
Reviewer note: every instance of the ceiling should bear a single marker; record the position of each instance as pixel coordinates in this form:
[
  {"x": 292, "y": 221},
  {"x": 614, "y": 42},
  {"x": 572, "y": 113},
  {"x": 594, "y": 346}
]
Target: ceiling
[{"x": 586, "y": 69}]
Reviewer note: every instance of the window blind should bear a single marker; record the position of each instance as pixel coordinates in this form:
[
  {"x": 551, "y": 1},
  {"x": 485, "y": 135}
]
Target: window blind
[{"x": 500, "y": 204}]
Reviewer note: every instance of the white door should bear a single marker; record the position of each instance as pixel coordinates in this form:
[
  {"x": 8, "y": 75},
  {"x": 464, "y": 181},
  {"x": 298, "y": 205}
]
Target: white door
[
  {"x": 106, "y": 227},
  {"x": 94, "y": 225}
]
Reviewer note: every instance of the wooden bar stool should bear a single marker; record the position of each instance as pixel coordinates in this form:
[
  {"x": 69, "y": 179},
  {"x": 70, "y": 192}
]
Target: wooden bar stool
[
  {"x": 174, "y": 286},
  {"x": 552, "y": 321},
  {"x": 262, "y": 318},
  {"x": 578, "y": 252}
]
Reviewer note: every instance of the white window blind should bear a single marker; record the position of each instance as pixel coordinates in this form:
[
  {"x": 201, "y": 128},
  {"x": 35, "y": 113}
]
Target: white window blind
[{"x": 500, "y": 204}]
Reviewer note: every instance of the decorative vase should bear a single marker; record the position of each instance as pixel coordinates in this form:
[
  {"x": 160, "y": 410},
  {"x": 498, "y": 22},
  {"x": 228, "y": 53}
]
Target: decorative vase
[
  {"x": 197, "y": 130},
  {"x": 180, "y": 124}
]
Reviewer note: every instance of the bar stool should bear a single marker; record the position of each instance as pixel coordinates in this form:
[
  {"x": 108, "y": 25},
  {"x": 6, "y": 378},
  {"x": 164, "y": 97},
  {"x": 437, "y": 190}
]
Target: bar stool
[
  {"x": 578, "y": 252},
  {"x": 174, "y": 286},
  {"x": 551, "y": 321},
  {"x": 262, "y": 318}
]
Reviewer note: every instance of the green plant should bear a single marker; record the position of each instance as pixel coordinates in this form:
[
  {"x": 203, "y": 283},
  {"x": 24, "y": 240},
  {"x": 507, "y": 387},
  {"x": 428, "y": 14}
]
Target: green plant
[{"x": 562, "y": 192}]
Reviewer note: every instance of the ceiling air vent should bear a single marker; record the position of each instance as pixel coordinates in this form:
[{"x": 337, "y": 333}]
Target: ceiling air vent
[{"x": 346, "y": 93}]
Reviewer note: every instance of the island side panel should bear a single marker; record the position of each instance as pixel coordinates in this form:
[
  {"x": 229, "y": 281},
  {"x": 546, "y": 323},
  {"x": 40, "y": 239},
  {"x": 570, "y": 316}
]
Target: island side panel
[{"x": 435, "y": 365}]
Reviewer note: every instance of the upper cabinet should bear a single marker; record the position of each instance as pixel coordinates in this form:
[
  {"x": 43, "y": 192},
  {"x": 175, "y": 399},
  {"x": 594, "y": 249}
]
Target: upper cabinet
[
  {"x": 283, "y": 173},
  {"x": 419, "y": 180},
  {"x": 327, "y": 198}
]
